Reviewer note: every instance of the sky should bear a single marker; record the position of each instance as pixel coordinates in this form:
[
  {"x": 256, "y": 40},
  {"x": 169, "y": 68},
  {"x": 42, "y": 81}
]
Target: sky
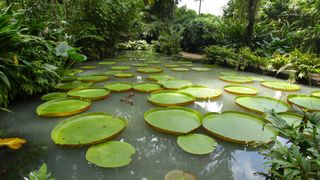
[{"x": 208, "y": 6}]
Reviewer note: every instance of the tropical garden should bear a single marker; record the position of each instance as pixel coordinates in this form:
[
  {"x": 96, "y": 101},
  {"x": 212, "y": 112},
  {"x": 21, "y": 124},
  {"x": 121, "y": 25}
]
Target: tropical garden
[{"x": 148, "y": 89}]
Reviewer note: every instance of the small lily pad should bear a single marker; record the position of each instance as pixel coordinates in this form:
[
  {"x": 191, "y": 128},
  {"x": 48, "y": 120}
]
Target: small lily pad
[
  {"x": 112, "y": 72},
  {"x": 173, "y": 120},
  {"x": 149, "y": 70},
  {"x": 53, "y": 96},
  {"x": 240, "y": 90},
  {"x": 175, "y": 84},
  {"x": 187, "y": 65},
  {"x": 197, "y": 143},
  {"x": 160, "y": 77},
  {"x": 107, "y": 63},
  {"x": 69, "y": 78},
  {"x": 202, "y": 92},
  {"x": 236, "y": 79},
  {"x": 88, "y": 67},
  {"x": 201, "y": 69},
  {"x": 180, "y": 69},
  {"x": 282, "y": 86},
  {"x": 172, "y": 65},
  {"x": 310, "y": 103},
  {"x": 147, "y": 87},
  {"x": 120, "y": 68},
  {"x": 123, "y": 75},
  {"x": 153, "y": 62},
  {"x": 261, "y": 103},
  {"x": 73, "y": 85},
  {"x": 171, "y": 98},
  {"x": 111, "y": 154},
  {"x": 89, "y": 93},
  {"x": 93, "y": 78},
  {"x": 119, "y": 86},
  {"x": 62, "y": 107},
  {"x": 141, "y": 65}
]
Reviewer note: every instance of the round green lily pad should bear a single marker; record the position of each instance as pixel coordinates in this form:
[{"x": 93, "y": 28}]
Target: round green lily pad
[
  {"x": 160, "y": 77},
  {"x": 282, "y": 86},
  {"x": 87, "y": 129},
  {"x": 147, "y": 87},
  {"x": 202, "y": 92},
  {"x": 257, "y": 78},
  {"x": 149, "y": 70},
  {"x": 173, "y": 120},
  {"x": 93, "y": 78},
  {"x": 310, "y": 103},
  {"x": 237, "y": 127},
  {"x": 261, "y": 103},
  {"x": 111, "y": 154},
  {"x": 290, "y": 118},
  {"x": 88, "y": 67},
  {"x": 236, "y": 79},
  {"x": 119, "y": 86},
  {"x": 171, "y": 98},
  {"x": 108, "y": 63},
  {"x": 53, "y": 96},
  {"x": 123, "y": 75},
  {"x": 187, "y": 65},
  {"x": 175, "y": 84},
  {"x": 112, "y": 72},
  {"x": 315, "y": 93},
  {"x": 153, "y": 62},
  {"x": 89, "y": 93},
  {"x": 141, "y": 65},
  {"x": 179, "y": 175},
  {"x": 69, "y": 78},
  {"x": 197, "y": 143},
  {"x": 73, "y": 85},
  {"x": 120, "y": 68},
  {"x": 62, "y": 107},
  {"x": 180, "y": 69},
  {"x": 201, "y": 69},
  {"x": 172, "y": 65},
  {"x": 240, "y": 90}
]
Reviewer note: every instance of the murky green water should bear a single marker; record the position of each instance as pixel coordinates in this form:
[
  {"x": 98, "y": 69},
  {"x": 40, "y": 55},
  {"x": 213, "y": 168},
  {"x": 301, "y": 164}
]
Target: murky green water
[{"x": 157, "y": 153}]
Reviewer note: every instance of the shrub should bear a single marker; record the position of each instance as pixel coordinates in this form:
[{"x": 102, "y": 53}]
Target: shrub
[
  {"x": 220, "y": 54},
  {"x": 169, "y": 41},
  {"x": 135, "y": 45}
]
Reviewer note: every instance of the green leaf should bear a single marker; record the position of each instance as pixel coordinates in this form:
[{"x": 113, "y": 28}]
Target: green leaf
[{"x": 4, "y": 79}]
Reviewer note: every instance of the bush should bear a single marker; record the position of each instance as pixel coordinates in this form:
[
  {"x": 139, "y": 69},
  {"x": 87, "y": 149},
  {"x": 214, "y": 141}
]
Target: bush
[
  {"x": 135, "y": 45},
  {"x": 221, "y": 54},
  {"x": 169, "y": 41}
]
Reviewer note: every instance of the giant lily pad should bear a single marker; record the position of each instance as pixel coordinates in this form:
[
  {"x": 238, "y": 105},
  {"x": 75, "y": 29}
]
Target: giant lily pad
[
  {"x": 62, "y": 107},
  {"x": 53, "y": 96},
  {"x": 241, "y": 90},
  {"x": 149, "y": 70},
  {"x": 236, "y": 79},
  {"x": 107, "y": 63},
  {"x": 173, "y": 120},
  {"x": 73, "y": 85},
  {"x": 315, "y": 93},
  {"x": 120, "y": 68},
  {"x": 261, "y": 103},
  {"x": 171, "y": 98},
  {"x": 140, "y": 65},
  {"x": 69, "y": 78},
  {"x": 175, "y": 84},
  {"x": 111, "y": 154},
  {"x": 87, "y": 129},
  {"x": 112, "y": 72},
  {"x": 197, "y": 143},
  {"x": 119, "y": 86},
  {"x": 202, "y": 92},
  {"x": 201, "y": 69},
  {"x": 282, "y": 86},
  {"x": 89, "y": 93},
  {"x": 172, "y": 65},
  {"x": 123, "y": 75},
  {"x": 310, "y": 103},
  {"x": 180, "y": 69},
  {"x": 147, "y": 87},
  {"x": 237, "y": 127},
  {"x": 88, "y": 67},
  {"x": 160, "y": 77},
  {"x": 179, "y": 175},
  {"x": 93, "y": 78},
  {"x": 12, "y": 143},
  {"x": 153, "y": 62}
]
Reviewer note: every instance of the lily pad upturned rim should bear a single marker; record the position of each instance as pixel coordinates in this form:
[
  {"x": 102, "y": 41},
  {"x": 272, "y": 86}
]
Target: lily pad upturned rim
[
  {"x": 69, "y": 93},
  {"x": 258, "y": 118},
  {"x": 240, "y": 93},
  {"x": 152, "y": 77},
  {"x": 88, "y": 67},
  {"x": 297, "y": 87},
  {"x": 183, "y": 142},
  {"x": 172, "y": 65},
  {"x": 144, "y": 90},
  {"x": 62, "y": 114},
  {"x": 126, "y": 150},
  {"x": 201, "y": 69},
  {"x": 149, "y": 70},
  {"x": 124, "y": 75},
  {"x": 53, "y": 96},
  {"x": 78, "y": 117},
  {"x": 315, "y": 92},
  {"x": 180, "y": 69},
  {"x": 265, "y": 97},
  {"x": 228, "y": 78},
  {"x": 98, "y": 78},
  {"x": 189, "y": 110},
  {"x": 107, "y": 63},
  {"x": 290, "y": 96},
  {"x": 165, "y": 85},
  {"x": 219, "y": 93},
  {"x": 121, "y": 68},
  {"x": 114, "y": 90},
  {"x": 171, "y": 104},
  {"x": 72, "y": 85}
]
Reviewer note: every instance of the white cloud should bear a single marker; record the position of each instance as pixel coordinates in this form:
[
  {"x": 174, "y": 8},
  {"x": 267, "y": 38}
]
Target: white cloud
[{"x": 208, "y": 6}]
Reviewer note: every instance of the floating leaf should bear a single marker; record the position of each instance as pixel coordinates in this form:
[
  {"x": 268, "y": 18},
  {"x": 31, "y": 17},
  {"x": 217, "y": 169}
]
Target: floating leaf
[
  {"x": 180, "y": 69},
  {"x": 93, "y": 78},
  {"x": 261, "y": 104},
  {"x": 172, "y": 65},
  {"x": 200, "y": 69},
  {"x": 197, "y": 143},
  {"x": 307, "y": 102},
  {"x": 107, "y": 63},
  {"x": 160, "y": 77},
  {"x": 123, "y": 75},
  {"x": 53, "y": 96},
  {"x": 89, "y": 93},
  {"x": 175, "y": 84},
  {"x": 120, "y": 68},
  {"x": 236, "y": 79},
  {"x": 240, "y": 90},
  {"x": 88, "y": 67},
  {"x": 282, "y": 86},
  {"x": 147, "y": 87},
  {"x": 315, "y": 93},
  {"x": 119, "y": 86},
  {"x": 140, "y": 65},
  {"x": 171, "y": 98},
  {"x": 179, "y": 175},
  {"x": 73, "y": 85},
  {"x": 149, "y": 70},
  {"x": 12, "y": 143},
  {"x": 202, "y": 92}
]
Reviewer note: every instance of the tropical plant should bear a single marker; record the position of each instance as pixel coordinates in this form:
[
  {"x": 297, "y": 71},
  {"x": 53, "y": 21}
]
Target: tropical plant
[
  {"x": 41, "y": 174},
  {"x": 169, "y": 42}
]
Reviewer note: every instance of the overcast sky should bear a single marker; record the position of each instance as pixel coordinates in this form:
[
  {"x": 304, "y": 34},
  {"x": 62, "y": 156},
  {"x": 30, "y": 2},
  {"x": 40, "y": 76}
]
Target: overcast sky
[{"x": 208, "y": 6}]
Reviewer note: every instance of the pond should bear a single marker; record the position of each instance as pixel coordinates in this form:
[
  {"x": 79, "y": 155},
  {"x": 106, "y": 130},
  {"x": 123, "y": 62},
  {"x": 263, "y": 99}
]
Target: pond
[{"x": 156, "y": 153}]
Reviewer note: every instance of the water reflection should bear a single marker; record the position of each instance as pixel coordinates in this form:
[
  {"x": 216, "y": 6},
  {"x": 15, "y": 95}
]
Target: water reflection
[{"x": 209, "y": 106}]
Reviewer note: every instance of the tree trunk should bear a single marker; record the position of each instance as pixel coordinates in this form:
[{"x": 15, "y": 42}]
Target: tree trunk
[
  {"x": 252, "y": 8},
  {"x": 200, "y": 6}
]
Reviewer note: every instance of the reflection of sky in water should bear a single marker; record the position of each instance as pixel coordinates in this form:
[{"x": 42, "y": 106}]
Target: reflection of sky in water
[{"x": 209, "y": 106}]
